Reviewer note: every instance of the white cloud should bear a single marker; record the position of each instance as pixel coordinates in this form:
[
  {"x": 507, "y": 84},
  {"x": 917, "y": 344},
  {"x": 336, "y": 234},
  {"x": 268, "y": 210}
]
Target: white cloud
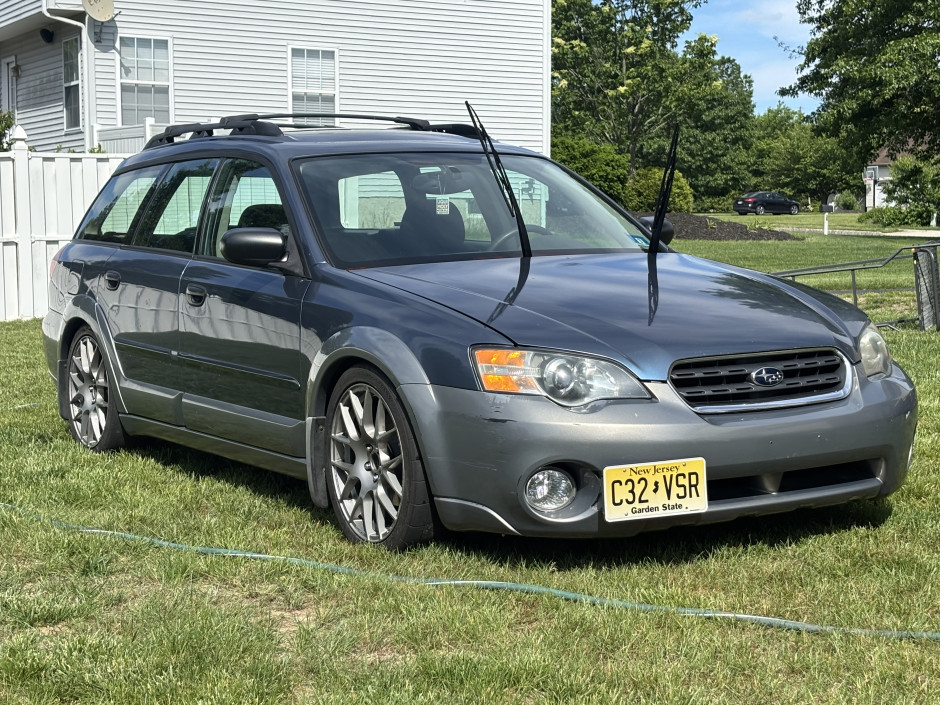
[{"x": 773, "y": 18}]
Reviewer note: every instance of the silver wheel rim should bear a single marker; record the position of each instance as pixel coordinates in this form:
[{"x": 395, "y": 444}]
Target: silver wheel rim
[
  {"x": 366, "y": 463},
  {"x": 89, "y": 392}
]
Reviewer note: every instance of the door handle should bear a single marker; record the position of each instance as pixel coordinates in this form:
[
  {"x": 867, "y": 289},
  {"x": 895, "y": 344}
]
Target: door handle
[
  {"x": 112, "y": 279},
  {"x": 195, "y": 295}
]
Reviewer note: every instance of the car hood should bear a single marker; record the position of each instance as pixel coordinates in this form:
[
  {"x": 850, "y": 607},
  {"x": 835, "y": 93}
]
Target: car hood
[{"x": 599, "y": 305}]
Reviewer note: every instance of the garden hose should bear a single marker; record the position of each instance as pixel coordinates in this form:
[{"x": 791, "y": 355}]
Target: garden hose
[{"x": 488, "y": 585}]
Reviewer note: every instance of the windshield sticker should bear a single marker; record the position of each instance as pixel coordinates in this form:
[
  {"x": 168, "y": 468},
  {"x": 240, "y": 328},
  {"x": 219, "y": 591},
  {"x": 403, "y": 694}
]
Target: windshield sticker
[
  {"x": 443, "y": 206},
  {"x": 640, "y": 240}
]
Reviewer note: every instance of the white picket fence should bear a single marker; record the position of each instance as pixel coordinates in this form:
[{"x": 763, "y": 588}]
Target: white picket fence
[{"x": 43, "y": 196}]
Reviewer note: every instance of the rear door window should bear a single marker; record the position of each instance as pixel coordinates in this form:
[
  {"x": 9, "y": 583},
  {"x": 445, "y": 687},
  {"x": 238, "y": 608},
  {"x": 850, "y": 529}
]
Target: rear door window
[{"x": 171, "y": 220}]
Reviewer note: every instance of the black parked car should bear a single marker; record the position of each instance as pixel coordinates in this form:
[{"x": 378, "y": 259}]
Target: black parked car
[
  {"x": 760, "y": 202},
  {"x": 373, "y": 311}
]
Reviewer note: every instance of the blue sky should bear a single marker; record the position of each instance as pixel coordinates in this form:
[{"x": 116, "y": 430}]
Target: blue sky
[{"x": 746, "y": 32}]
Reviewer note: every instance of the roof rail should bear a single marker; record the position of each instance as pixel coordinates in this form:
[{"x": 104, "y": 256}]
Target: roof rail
[
  {"x": 413, "y": 123},
  {"x": 240, "y": 125},
  {"x": 457, "y": 128},
  {"x": 258, "y": 124}
]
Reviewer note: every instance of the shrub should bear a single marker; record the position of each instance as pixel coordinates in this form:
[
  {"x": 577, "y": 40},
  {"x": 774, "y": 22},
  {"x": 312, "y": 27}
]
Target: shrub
[
  {"x": 6, "y": 124},
  {"x": 602, "y": 165},
  {"x": 643, "y": 191},
  {"x": 713, "y": 204},
  {"x": 897, "y": 216},
  {"x": 845, "y": 201}
]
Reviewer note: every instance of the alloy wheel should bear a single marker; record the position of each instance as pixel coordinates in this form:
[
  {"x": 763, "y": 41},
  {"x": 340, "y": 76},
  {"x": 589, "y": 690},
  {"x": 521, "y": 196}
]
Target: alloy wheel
[
  {"x": 366, "y": 463},
  {"x": 89, "y": 391}
]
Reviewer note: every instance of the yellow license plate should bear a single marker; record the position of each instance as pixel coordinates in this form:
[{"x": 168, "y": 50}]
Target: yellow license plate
[{"x": 652, "y": 490}]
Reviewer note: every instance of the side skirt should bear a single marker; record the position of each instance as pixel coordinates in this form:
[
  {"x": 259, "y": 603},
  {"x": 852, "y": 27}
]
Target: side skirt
[{"x": 285, "y": 464}]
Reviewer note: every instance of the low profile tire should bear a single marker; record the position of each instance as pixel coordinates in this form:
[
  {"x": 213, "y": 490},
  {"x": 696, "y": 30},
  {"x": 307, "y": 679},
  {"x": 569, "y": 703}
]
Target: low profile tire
[
  {"x": 794, "y": 210},
  {"x": 93, "y": 415},
  {"x": 759, "y": 210},
  {"x": 374, "y": 476}
]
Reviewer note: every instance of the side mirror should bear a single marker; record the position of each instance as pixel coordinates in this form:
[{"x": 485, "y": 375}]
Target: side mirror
[
  {"x": 256, "y": 247},
  {"x": 669, "y": 230}
]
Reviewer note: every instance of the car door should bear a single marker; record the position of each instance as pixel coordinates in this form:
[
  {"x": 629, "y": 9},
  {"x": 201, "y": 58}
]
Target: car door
[
  {"x": 240, "y": 354},
  {"x": 138, "y": 289}
]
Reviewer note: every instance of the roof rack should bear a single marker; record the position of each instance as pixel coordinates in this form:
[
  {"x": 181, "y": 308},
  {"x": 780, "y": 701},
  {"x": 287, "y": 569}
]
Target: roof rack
[{"x": 258, "y": 124}]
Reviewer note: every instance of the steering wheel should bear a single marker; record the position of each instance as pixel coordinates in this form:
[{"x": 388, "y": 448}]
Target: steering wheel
[{"x": 538, "y": 229}]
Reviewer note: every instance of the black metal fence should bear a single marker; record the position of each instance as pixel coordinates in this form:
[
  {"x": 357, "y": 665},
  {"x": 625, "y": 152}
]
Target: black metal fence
[{"x": 926, "y": 280}]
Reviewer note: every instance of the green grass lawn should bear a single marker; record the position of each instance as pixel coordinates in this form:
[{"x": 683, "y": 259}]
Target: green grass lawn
[
  {"x": 86, "y": 618},
  {"x": 887, "y": 293},
  {"x": 837, "y": 221}
]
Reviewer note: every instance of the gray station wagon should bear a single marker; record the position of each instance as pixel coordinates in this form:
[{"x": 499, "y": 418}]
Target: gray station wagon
[{"x": 433, "y": 330}]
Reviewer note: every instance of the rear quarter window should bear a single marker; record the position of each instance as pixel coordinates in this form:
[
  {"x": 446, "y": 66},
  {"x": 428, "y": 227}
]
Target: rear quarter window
[{"x": 116, "y": 210}]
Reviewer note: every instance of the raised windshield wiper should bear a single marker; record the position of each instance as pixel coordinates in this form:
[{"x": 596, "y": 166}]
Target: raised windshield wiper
[
  {"x": 665, "y": 191},
  {"x": 502, "y": 179}
]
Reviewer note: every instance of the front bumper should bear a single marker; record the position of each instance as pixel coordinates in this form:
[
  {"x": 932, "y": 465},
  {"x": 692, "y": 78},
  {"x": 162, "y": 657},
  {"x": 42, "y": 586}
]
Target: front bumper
[{"x": 480, "y": 448}]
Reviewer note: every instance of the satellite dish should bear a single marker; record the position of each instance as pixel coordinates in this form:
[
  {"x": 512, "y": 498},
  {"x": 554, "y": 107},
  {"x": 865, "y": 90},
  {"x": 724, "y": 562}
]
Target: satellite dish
[{"x": 101, "y": 10}]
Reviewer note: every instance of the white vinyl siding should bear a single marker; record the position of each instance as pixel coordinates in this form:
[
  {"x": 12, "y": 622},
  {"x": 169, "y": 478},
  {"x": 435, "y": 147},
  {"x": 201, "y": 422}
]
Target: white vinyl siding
[
  {"x": 420, "y": 58},
  {"x": 145, "y": 80},
  {"x": 39, "y": 93},
  {"x": 313, "y": 82},
  {"x": 14, "y": 10},
  {"x": 71, "y": 84}
]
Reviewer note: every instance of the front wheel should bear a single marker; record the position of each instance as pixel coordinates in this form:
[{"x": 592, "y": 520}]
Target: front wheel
[
  {"x": 794, "y": 210},
  {"x": 93, "y": 415},
  {"x": 375, "y": 477}
]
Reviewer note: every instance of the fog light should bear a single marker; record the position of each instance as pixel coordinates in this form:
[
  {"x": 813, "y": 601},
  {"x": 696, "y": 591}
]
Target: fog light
[{"x": 550, "y": 489}]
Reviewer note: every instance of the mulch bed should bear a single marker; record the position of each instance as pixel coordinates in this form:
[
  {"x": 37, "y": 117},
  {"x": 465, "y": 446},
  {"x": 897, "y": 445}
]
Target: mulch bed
[{"x": 697, "y": 227}]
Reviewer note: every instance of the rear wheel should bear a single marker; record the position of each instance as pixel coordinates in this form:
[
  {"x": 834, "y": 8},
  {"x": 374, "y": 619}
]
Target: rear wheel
[
  {"x": 93, "y": 417},
  {"x": 375, "y": 477},
  {"x": 759, "y": 210}
]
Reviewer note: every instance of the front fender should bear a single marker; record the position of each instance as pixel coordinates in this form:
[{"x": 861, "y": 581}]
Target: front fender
[{"x": 378, "y": 347}]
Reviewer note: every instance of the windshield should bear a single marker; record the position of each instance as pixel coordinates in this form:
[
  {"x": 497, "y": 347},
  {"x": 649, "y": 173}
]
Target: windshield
[{"x": 374, "y": 210}]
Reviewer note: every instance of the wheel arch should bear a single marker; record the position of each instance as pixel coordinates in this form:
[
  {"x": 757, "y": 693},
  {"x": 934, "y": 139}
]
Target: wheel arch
[
  {"x": 85, "y": 311},
  {"x": 378, "y": 349}
]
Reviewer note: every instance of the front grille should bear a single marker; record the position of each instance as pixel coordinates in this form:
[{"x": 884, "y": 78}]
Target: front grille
[{"x": 726, "y": 384}]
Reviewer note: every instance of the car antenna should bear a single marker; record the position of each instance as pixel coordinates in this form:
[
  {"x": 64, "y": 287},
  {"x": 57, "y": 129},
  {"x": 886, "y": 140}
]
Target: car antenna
[
  {"x": 502, "y": 179},
  {"x": 665, "y": 191}
]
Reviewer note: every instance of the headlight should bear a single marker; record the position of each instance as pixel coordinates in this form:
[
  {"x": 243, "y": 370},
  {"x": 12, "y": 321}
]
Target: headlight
[
  {"x": 570, "y": 380},
  {"x": 876, "y": 360}
]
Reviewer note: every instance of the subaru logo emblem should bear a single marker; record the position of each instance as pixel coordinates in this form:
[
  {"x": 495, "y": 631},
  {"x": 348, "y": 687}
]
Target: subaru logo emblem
[{"x": 767, "y": 376}]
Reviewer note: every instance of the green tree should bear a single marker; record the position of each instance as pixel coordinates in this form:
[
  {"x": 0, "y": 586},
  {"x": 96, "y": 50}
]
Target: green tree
[
  {"x": 615, "y": 68},
  {"x": 717, "y": 118},
  {"x": 874, "y": 65},
  {"x": 915, "y": 186},
  {"x": 790, "y": 156}
]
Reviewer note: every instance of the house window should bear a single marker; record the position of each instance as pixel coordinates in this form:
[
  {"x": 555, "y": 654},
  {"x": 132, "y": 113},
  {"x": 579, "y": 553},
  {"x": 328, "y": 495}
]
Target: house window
[
  {"x": 72, "y": 98},
  {"x": 313, "y": 82},
  {"x": 145, "y": 80}
]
